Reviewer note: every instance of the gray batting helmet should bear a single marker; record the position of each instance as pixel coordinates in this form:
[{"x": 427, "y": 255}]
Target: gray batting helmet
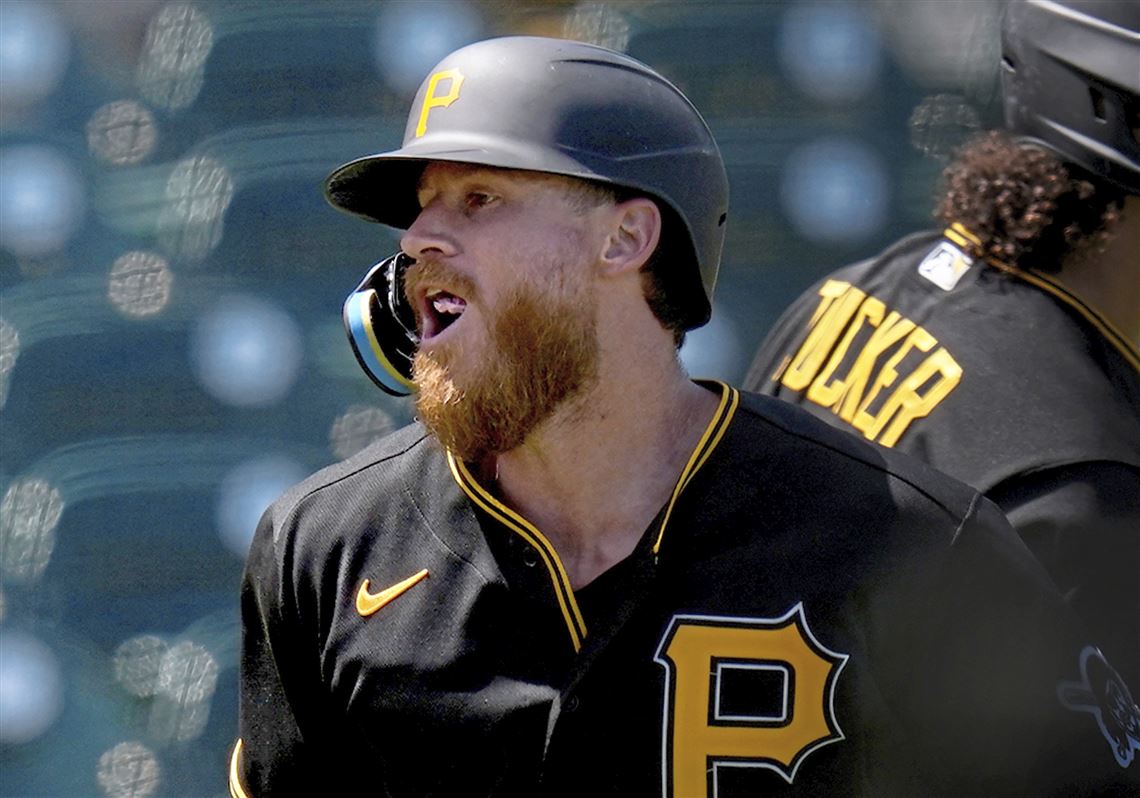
[
  {"x": 566, "y": 108},
  {"x": 1071, "y": 80}
]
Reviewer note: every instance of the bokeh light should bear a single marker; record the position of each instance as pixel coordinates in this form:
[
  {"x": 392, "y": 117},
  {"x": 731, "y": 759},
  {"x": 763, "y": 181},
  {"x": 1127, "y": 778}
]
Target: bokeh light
[
  {"x": 31, "y": 687},
  {"x": 835, "y": 190},
  {"x": 129, "y": 770},
  {"x": 172, "y": 65},
  {"x": 139, "y": 284},
  {"x": 246, "y": 491},
  {"x": 188, "y": 674},
  {"x": 246, "y": 351},
  {"x": 137, "y": 663},
  {"x": 941, "y": 123},
  {"x": 29, "y": 514},
  {"x": 830, "y": 51},
  {"x": 34, "y": 53},
  {"x": 198, "y": 193},
  {"x": 9, "y": 354},
  {"x": 122, "y": 133},
  {"x": 599, "y": 23},
  {"x": 715, "y": 351},
  {"x": 42, "y": 200},
  {"x": 411, "y": 38},
  {"x": 358, "y": 427},
  {"x": 187, "y": 679}
]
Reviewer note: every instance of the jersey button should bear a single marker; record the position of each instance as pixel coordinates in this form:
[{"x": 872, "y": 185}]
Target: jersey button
[
  {"x": 571, "y": 704},
  {"x": 530, "y": 557}
]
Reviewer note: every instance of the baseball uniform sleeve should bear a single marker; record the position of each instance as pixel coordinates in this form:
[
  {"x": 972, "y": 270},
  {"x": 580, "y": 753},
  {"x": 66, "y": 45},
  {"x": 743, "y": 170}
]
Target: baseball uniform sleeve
[
  {"x": 272, "y": 756},
  {"x": 992, "y": 648},
  {"x": 1082, "y": 521}
]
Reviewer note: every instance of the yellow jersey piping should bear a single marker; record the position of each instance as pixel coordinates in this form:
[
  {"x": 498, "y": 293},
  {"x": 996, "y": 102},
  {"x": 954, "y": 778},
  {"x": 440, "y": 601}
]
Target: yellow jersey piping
[
  {"x": 963, "y": 237},
  {"x": 1106, "y": 328},
  {"x": 236, "y": 790},
  {"x": 729, "y": 400},
  {"x": 575, "y": 624}
]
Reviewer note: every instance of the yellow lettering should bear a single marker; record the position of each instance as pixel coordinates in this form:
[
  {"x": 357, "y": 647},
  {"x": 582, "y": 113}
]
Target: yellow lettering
[
  {"x": 431, "y": 100},
  {"x": 886, "y": 336},
  {"x": 697, "y": 653},
  {"x": 820, "y": 392},
  {"x": 834, "y": 332},
  {"x": 864, "y": 421},
  {"x": 839, "y": 301},
  {"x": 906, "y": 404}
]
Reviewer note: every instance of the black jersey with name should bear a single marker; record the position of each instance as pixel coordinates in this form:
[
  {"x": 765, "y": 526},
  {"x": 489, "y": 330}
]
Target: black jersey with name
[
  {"x": 999, "y": 377},
  {"x": 807, "y": 615}
]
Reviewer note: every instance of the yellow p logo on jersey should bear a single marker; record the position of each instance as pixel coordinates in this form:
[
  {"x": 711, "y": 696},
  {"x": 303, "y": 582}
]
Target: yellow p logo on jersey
[
  {"x": 743, "y": 692},
  {"x": 433, "y": 100}
]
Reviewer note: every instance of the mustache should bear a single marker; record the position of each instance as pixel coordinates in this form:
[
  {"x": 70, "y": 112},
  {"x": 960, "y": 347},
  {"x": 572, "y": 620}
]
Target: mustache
[{"x": 433, "y": 272}]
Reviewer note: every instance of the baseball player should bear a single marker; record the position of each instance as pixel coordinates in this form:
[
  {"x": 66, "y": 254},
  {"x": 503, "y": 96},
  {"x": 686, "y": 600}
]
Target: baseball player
[
  {"x": 581, "y": 572},
  {"x": 1003, "y": 349}
]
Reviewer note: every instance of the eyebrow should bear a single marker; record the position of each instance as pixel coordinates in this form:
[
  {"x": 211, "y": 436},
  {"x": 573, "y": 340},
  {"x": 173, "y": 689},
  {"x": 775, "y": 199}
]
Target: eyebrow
[{"x": 469, "y": 171}]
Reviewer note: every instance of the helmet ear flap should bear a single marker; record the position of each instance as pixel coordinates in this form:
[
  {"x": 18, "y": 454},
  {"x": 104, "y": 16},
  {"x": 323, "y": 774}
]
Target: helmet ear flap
[{"x": 381, "y": 326}]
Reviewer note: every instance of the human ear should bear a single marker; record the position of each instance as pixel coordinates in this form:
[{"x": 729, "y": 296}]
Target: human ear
[{"x": 635, "y": 231}]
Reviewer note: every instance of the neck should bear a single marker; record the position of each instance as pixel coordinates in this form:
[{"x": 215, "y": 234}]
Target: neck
[
  {"x": 1109, "y": 279},
  {"x": 594, "y": 476}
]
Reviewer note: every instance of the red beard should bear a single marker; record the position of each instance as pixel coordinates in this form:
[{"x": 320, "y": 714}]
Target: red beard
[{"x": 544, "y": 351}]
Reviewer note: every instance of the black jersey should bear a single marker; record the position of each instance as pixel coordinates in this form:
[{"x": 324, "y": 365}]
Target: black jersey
[
  {"x": 808, "y": 615},
  {"x": 999, "y": 377}
]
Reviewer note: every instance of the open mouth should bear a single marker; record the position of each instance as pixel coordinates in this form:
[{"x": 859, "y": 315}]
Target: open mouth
[{"x": 442, "y": 309}]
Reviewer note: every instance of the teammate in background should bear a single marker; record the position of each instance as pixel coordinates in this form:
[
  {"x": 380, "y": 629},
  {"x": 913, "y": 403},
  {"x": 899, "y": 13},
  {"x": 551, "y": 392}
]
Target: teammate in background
[
  {"x": 1003, "y": 350},
  {"x": 582, "y": 573}
]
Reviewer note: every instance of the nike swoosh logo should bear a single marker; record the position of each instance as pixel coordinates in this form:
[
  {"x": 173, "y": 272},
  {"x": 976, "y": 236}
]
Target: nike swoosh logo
[{"x": 368, "y": 603}]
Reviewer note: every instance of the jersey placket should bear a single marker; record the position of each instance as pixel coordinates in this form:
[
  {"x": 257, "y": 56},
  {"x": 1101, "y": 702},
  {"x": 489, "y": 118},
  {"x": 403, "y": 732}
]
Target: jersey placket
[
  {"x": 540, "y": 547},
  {"x": 538, "y": 544}
]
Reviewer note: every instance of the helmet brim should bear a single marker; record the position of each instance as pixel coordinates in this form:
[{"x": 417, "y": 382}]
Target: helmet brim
[{"x": 382, "y": 187}]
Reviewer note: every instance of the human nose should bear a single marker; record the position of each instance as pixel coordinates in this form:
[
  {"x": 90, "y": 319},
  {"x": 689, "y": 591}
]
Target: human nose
[{"x": 427, "y": 235}]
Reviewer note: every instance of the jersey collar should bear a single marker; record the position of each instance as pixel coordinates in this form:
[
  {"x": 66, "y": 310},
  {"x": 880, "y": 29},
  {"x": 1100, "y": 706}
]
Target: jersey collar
[
  {"x": 486, "y": 501},
  {"x": 961, "y": 236}
]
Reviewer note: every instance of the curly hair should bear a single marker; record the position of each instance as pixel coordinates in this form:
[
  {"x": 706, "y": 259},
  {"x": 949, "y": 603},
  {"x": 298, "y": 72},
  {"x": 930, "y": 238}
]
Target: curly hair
[{"x": 1027, "y": 207}]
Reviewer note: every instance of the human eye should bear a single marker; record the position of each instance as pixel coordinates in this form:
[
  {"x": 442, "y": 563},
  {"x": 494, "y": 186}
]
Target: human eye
[{"x": 476, "y": 200}]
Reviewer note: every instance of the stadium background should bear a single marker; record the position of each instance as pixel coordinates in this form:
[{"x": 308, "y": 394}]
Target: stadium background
[{"x": 171, "y": 351}]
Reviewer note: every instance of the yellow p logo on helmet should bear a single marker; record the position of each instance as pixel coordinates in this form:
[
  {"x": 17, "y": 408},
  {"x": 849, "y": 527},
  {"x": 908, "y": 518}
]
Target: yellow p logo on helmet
[{"x": 432, "y": 100}]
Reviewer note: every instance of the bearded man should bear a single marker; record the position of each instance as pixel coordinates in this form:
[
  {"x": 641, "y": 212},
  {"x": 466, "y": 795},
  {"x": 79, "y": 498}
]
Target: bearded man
[{"x": 581, "y": 572}]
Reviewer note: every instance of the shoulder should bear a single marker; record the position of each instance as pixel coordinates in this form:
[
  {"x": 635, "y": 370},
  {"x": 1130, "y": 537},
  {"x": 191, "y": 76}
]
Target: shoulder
[
  {"x": 843, "y": 288},
  {"x": 921, "y": 345},
  {"x": 883, "y": 506},
  {"x": 385, "y": 463},
  {"x": 906, "y": 538},
  {"x": 818, "y": 456},
  {"x": 337, "y": 506}
]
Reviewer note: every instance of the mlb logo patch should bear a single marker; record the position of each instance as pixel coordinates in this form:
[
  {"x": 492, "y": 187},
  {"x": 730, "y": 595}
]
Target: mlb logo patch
[{"x": 945, "y": 265}]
